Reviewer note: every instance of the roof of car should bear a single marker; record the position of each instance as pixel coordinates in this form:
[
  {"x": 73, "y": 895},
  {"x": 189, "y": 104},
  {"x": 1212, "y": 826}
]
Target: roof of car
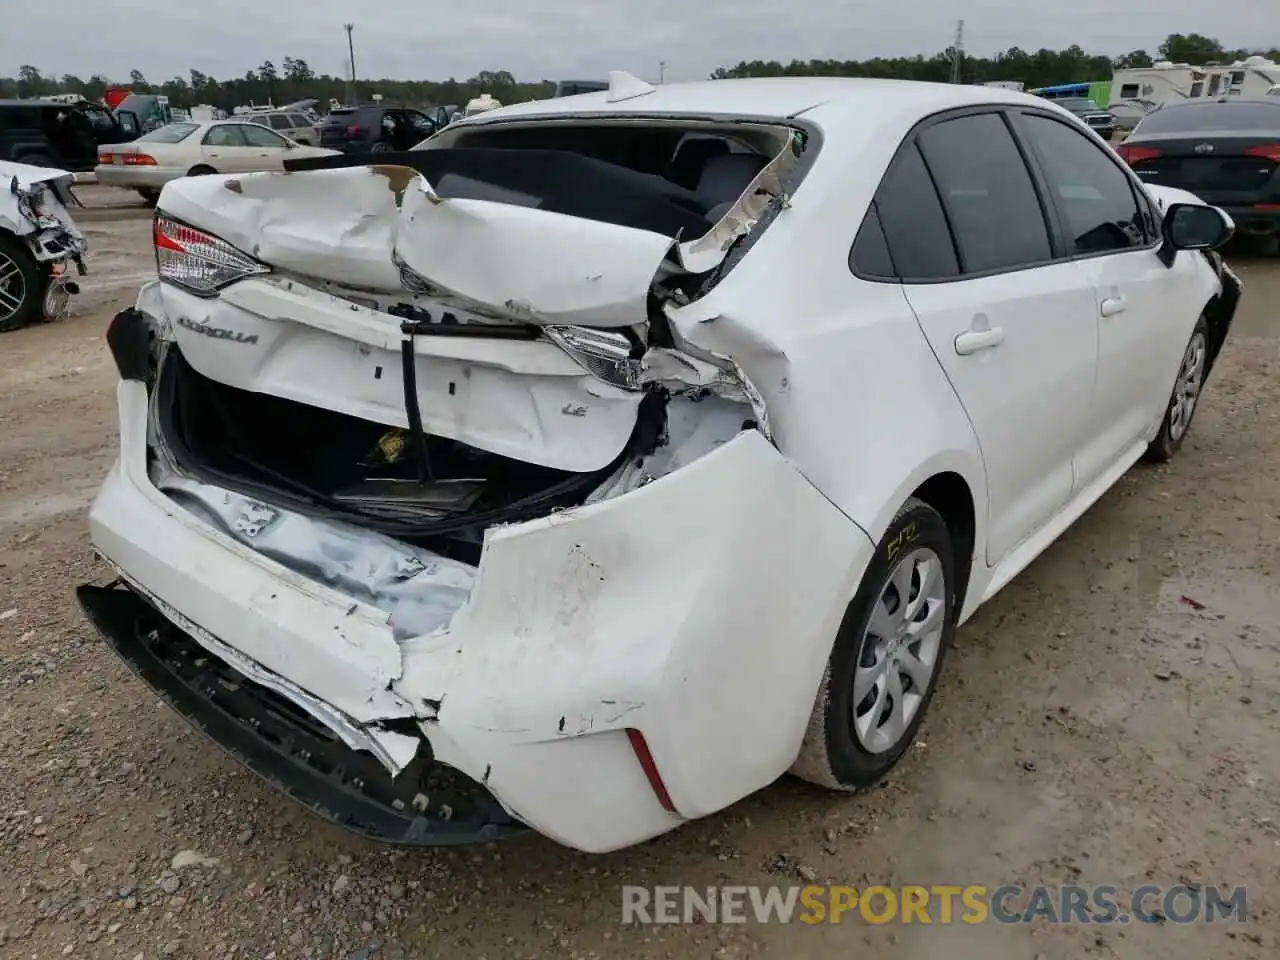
[
  {"x": 45, "y": 104},
  {"x": 772, "y": 97}
]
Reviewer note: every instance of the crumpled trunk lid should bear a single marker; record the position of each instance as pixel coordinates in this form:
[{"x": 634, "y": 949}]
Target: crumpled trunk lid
[{"x": 385, "y": 229}]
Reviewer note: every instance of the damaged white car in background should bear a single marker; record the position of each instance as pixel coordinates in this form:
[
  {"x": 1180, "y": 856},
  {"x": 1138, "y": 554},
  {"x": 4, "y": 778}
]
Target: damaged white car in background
[
  {"x": 602, "y": 459},
  {"x": 39, "y": 244}
]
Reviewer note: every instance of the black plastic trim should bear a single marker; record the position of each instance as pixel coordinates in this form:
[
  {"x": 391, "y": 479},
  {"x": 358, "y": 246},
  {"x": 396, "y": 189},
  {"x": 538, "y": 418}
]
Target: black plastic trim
[
  {"x": 278, "y": 742},
  {"x": 129, "y": 340}
]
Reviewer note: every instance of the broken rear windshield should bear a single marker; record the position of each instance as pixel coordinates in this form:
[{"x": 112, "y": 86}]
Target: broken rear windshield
[{"x": 673, "y": 177}]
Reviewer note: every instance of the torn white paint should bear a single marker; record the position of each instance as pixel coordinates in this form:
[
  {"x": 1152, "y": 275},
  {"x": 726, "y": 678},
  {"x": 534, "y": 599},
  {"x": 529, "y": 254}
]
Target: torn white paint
[{"x": 32, "y": 209}]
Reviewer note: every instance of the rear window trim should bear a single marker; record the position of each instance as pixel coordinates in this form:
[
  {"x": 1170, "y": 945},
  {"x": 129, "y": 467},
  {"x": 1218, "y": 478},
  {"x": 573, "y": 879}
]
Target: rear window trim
[{"x": 811, "y": 131}]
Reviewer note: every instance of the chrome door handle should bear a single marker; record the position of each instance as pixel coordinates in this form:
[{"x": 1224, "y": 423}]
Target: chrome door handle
[
  {"x": 971, "y": 341},
  {"x": 1113, "y": 305}
]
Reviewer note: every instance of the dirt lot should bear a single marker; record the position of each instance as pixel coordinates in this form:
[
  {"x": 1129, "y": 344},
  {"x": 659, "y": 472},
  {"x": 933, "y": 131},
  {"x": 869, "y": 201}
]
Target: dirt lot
[{"x": 1111, "y": 718}]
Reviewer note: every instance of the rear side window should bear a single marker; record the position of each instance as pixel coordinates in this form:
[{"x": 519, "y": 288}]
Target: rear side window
[
  {"x": 870, "y": 255},
  {"x": 20, "y": 118},
  {"x": 1092, "y": 193},
  {"x": 279, "y": 121},
  {"x": 987, "y": 192},
  {"x": 224, "y": 135},
  {"x": 914, "y": 226},
  {"x": 297, "y": 120}
]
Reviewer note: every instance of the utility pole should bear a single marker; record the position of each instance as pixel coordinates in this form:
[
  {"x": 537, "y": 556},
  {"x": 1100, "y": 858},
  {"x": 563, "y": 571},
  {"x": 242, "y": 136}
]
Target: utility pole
[
  {"x": 662, "y": 71},
  {"x": 351, "y": 51},
  {"x": 957, "y": 52}
]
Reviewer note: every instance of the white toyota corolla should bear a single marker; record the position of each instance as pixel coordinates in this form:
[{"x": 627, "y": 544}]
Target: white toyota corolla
[{"x": 602, "y": 459}]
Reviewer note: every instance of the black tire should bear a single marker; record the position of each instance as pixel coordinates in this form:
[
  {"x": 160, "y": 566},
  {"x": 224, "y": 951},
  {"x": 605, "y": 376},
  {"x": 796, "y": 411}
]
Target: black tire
[
  {"x": 1169, "y": 440},
  {"x": 832, "y": 755},
  {"x": 200, "y": 170},
  {"x": 380, "y": 146},
  {"x": 149, "y": 196},
  {"x": 33, "y": 285}
]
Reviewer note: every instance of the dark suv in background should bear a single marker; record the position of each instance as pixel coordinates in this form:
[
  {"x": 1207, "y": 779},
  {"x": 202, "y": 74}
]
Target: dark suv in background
[
  {"x": 375, "y": 128},
  {"x": 46, "y": 133}
]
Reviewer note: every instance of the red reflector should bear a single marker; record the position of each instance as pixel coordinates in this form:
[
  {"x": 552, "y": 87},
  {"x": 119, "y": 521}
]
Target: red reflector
[
  {"x": 1271, "y": 152},
  {"x": 163, "y": 241},
  {"x": 1267, "y": 207},
  {"x": 170, "y": 235},
  {"x": 1132, "y": 155},
  {"x": 650, "y": 769},
  {"x": 355, "y": 131}
]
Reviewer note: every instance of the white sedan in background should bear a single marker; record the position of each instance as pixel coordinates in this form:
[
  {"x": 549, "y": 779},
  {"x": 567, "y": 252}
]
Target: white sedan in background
[{"x": 192, "y": 149}]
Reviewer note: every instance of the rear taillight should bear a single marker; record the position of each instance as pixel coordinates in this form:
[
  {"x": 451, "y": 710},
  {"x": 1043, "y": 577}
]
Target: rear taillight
[
  {"x": 1271, "y": 152},
  {"x": 139, "y": 160},
  {"x": 104, "y": 159},
  {"x": 1132, "y": 155},
  {"x": 199, "y": 261},
  {"x": 650, "y": 769},
  {"x": 355, "y": 131}
]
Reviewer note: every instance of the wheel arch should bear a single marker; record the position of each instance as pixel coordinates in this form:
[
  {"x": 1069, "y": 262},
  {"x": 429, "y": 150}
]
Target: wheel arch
[
  {"x": 1218, "y": 313},
  {"x": 948, "y": 492}
]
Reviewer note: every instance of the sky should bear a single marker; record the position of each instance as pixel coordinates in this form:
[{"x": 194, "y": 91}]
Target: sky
[{"x": 579, "y": 39}]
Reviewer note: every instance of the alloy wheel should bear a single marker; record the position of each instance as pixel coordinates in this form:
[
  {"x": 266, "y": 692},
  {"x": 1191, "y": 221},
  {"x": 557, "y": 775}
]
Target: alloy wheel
[{"x": 13, "y": 287}]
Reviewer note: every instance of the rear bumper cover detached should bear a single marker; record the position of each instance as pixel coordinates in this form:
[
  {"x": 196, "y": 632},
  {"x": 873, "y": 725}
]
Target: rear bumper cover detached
[
  {"x": 698, "y": 610},
  {"x": 272, "y": 738}
]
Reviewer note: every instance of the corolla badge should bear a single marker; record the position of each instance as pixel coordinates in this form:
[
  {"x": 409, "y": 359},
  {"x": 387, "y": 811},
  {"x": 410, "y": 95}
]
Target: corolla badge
[{"x": 218, "y": 333}]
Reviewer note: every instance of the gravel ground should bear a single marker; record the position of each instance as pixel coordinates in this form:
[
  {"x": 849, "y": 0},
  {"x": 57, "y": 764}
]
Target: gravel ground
[{"x": 1110, "y": 718}]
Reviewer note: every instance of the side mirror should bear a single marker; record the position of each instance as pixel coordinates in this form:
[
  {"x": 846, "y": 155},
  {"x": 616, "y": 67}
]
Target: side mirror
[{"x": 1191, "y": 226}]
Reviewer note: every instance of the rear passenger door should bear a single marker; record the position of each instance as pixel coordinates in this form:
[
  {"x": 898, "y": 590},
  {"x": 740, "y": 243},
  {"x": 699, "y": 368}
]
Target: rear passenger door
[
  {"x": 269, "y": 148},
  {"x": 1111, "y": 229},
  {"x": 1012, "y": 324}
]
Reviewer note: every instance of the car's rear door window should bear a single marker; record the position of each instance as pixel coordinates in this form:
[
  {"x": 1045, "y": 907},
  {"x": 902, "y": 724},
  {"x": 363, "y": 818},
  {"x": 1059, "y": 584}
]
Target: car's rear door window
[
  {"x": 870, "y": 256},
  {"x": 225, "y": 135},
  {"x": 987, "y": 192},
  {"x": 914, "y": 225}
]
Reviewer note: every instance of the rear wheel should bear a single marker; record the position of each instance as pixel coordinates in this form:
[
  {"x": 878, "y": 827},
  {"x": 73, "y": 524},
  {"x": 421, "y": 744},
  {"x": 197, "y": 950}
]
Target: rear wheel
[
  {"x": 21, "y": 286},
  {"x": 380, "y": 146},
  {"x": 886, "y": 658},
  {"x": 1186, "y": 396},
  {"x": 150, "y": 196}
]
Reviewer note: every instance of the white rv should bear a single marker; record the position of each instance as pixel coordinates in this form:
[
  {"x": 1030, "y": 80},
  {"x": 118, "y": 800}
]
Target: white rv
[
  {"x": 1166, "y": 82},
  {"x": 1137, "y": 90}
]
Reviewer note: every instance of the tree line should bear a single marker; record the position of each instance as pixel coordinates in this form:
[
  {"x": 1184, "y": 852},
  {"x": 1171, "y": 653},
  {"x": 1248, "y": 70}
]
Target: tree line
[{"x": 295, "y": 80}]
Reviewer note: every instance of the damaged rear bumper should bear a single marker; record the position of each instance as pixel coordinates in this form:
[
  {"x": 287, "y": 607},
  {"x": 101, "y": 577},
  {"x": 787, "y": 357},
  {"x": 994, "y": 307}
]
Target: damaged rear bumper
[
  {"x": 286, "y": 746},
  {"x": 697, "y": 610}
]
